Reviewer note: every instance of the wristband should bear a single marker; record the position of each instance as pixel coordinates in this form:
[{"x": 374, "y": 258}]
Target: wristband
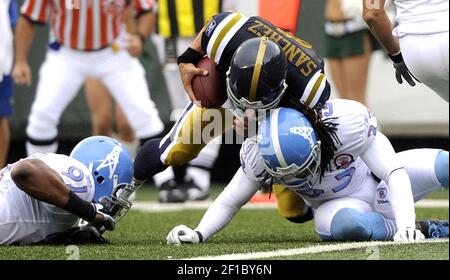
[
  {"x": 190, "y": 56},
  {"x": 200, "y": 236},
  {"x": 396, "y": 58},
  {"x": 80, "y": 207}
]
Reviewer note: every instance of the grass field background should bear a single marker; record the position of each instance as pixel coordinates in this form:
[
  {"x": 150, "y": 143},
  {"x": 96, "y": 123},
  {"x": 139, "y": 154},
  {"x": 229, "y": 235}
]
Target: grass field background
[{"x": 141, "y": 235}]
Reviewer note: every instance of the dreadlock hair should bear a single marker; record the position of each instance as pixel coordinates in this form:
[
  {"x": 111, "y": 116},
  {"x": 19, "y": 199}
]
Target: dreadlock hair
[{"x": 325, "y": 131}]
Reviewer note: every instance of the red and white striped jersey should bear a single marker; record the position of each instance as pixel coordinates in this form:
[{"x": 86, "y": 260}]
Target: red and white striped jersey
[{"x": 83, "y": 24}]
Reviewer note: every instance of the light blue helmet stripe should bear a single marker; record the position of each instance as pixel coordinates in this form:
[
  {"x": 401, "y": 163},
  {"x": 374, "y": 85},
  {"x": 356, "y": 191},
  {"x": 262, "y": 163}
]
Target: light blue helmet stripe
[{"x": 275, "y": 139}]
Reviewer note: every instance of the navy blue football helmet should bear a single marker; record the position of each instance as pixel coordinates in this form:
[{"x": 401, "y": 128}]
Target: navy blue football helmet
[
  {"x": 256, "y": 78},
  {"x": 110, "y": 164},
  {"x": 291, "y": 152}
]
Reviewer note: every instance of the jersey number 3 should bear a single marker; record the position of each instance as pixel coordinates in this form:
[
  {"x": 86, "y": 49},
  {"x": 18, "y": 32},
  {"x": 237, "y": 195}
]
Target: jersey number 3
[{"x": 345, "y": 176}]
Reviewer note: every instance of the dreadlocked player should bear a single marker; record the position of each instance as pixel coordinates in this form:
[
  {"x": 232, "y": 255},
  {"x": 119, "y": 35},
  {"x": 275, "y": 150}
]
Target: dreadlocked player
[{"x": 345, "y": 170}]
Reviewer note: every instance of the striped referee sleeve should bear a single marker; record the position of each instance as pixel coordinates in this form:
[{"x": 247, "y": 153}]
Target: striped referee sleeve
[
  {"x": 143, "y": 6},
  {"x": 36, "y": 10}
]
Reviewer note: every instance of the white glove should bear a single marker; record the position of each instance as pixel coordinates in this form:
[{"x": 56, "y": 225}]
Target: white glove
[
  {"x": 408, "y": 235},
  {"x": 183, "y": 234}
]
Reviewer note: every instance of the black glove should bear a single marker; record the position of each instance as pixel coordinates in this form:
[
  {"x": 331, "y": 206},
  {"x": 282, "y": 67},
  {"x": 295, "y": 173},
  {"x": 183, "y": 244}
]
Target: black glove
[
  {"x": 401, "y": 70},
  {"x": 75, "y": 236},
  {"x": 108, "y": 222}
]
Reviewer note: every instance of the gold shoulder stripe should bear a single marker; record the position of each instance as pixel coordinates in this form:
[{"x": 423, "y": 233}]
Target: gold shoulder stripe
[
  {"x": 315, "y": 89},
  {"x": 223, "y": 33},
  {"x": 258, "y": 66}
]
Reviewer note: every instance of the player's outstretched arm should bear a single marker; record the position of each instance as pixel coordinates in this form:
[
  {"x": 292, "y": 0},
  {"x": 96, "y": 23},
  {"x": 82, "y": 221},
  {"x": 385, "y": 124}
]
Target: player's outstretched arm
[
  {"x": 235, "y": 195},
  {"x": 381, "y": 159},
  {"x": 24, "y": 37},
  {"x": 41, "y": 182}
]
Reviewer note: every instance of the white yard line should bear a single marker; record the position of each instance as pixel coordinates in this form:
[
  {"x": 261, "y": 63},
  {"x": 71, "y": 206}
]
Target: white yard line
[
  {"x": 312, "y": 250},
  {"x": 148, "y": 206}
]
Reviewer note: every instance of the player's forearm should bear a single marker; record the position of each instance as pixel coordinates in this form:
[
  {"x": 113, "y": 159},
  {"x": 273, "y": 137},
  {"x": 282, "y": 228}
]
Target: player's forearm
[
  {"x": 381, "y": 26},
  {"x": 37, "y": 180},
  {"x": 237, "y": 193},
  {"x": 382, "y": 160},
  {"x": 23, "y": 39},
  {"x": 146, "y": 24},
  {"x": 129, "y": 20},
  {"x": 197, "y": 44},
  {"x": 40, "y": 182},
  {"x": 401, "y": 199}
]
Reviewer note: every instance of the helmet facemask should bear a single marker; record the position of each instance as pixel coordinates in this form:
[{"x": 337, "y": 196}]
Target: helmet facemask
[
  {"x": 241, "y": 104},
  {"x": 299, "y": 177},
  {"x": 121, "y": 200}
]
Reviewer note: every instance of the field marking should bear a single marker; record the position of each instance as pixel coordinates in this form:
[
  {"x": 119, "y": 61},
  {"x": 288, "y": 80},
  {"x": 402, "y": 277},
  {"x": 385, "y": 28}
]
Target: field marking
[
  {"x": 312, "y": 250},
  {"x": 150, "y": 206}
]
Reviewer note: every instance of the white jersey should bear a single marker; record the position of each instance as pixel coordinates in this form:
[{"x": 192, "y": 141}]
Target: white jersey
[
  {"x": 421, "y": 17},
  {"x": 349, "y": 182},
  {"x": 25, "y": 220},
  {"x": 356, "y": 129}
]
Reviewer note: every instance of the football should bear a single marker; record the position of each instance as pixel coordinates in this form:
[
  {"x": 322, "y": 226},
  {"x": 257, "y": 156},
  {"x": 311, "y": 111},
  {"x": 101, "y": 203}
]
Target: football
[{"x": 210, "y": 89}]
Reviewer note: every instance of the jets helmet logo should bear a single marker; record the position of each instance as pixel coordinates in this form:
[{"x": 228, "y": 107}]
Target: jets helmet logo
[
  {"x": 111, "y": 161},
  {"x": 305, "y": 132}
]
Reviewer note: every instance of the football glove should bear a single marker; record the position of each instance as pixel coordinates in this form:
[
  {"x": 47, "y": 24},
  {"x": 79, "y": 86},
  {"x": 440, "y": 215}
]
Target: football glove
[
  {"x": 182, "y": 234},
  {"x": 77, "y": 235},
  {"x": 408, "y": 235},
  {"x": 107, "y": 223},
  {"x": 401, "y": 70}
]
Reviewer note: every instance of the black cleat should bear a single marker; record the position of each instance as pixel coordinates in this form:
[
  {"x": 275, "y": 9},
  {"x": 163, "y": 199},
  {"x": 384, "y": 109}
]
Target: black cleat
[
  {"x": 171, "y": 193},
  {"x": 433, "y": 228},
  {"x": 194, "y": 192}
]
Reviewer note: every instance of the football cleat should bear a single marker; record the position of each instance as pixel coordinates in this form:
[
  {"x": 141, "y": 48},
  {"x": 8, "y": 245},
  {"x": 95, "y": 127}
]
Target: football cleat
[
  {"x": 194, "y": 192},
  {"x": 433, "y": 228},
  {"x": 171, "y": 193}
]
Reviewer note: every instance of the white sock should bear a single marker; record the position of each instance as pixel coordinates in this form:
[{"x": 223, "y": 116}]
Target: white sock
[
  {"x": 163, "y": 177},
  {"x": 33, "y": 149},
  {"x": 201, "y": 177}
]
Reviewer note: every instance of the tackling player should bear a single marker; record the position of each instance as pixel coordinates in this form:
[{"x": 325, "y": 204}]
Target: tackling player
[
  {"x": 262, "y": 65},
  {"x": 43, "y": 196},
  {"x": 418, "y": 43},
  {"x": 345, "y": 170}
]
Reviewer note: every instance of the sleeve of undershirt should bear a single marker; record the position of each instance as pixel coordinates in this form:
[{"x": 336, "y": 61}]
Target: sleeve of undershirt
[{"x": 235, "y": 195}]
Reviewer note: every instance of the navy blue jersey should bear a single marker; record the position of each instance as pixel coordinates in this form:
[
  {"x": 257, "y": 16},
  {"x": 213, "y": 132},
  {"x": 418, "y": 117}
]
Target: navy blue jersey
[{"x": 306, "y": 80}]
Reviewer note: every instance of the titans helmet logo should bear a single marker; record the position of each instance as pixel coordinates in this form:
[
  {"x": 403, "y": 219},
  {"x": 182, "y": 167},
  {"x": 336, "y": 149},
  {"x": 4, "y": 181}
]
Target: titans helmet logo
[
  {"x": 305, "y": 132},
  {"x": 111, "y": 161}
]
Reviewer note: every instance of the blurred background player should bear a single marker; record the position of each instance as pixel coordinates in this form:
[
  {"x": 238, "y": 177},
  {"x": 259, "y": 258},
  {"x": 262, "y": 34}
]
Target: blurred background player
[
  {"x": 43, "y": 197},
  {"x": 85, "y": 34},
  {"x": 102, "y": 106},
  {"x": 178, "y": 23},
  {"x": 349, "y": 47},
  {"x": 8, "y": 19},
  {"x": 103, "y": 113},
  {"x": 418, "y": 45}
]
